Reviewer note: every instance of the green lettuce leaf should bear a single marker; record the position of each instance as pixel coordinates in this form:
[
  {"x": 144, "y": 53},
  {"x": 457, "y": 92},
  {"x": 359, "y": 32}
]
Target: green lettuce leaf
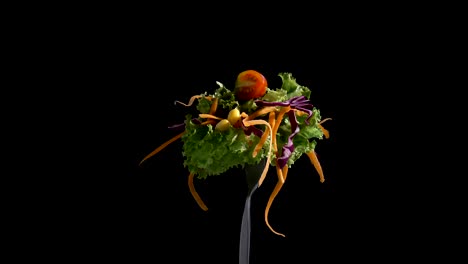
[
  {"x": 210, "y": 152},
  {"x": 292, "y": 87}
]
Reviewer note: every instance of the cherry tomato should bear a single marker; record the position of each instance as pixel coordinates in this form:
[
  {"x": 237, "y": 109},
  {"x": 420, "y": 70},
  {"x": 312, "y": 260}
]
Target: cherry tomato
[{"x": 250, "y": 84}]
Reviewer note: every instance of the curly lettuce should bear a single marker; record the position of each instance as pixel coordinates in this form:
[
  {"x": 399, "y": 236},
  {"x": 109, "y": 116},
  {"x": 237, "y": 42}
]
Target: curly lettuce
[{"x": 209, "y": 152}]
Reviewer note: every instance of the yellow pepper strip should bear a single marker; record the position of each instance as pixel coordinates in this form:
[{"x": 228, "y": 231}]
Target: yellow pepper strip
[
  {"x": 194, "y": 192},
  {"x": 283, "y": 172},
  {"x": 313, "y": 158},
  {"x": 158, "y": 149}
]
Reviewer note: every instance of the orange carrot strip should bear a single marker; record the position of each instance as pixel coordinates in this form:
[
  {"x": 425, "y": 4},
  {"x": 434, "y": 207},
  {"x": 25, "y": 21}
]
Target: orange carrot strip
[
  {"x": 279, "y": 118},
  {"x": 262, "y": 141},
  {"x": 214, "y": 106},
  {"x": 324, "y": 131},
  {"x": 326, "y": 119},
  {"x": 165, "y": 144},
  {"x": 194, "y": 192},
  {"x": 275, "y": 192},
  {"x": 262, "y": 111},
  {"x": 313, "y": 158},
  {"x": 192, "y": 99},
  {"x": 211, "y": 121},
  {"x": 271, "y": 121},
  {"x": 209, "y": 116},
  {"x": 279, "y": 172},
  {"x": 267, "y": 130},
  {"x": 285, "y": 172},
  {"x": 299, "y": 112},
  {"x": 267, "y": 164}
]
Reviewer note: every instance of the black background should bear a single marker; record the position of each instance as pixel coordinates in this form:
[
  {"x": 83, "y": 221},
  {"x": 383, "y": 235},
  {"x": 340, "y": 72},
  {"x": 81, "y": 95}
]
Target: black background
[
  {"x": 116, "y": 76},
  {"x": 148, "y": 211}
]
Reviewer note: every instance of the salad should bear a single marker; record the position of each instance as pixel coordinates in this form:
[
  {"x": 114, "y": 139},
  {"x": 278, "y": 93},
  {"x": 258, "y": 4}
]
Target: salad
[{"x": 246, "y": 125}]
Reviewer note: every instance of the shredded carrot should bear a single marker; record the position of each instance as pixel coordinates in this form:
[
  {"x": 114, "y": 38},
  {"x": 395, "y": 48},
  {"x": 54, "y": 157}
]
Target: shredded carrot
[
  {"x": 326, "y": 119},
  {"x": 211, "y": 121},
  {"x": 279, "y": 172},
  {"x": 313, "y": 158},
  {"x": 299, "y": 112},
  {"x": 194, "y": 192},
  {"x": 279, "y": 185},
  {"x": 248, "y": 123},
  {"x": 324, "y": 131},
  {"x": 279, "y": 118},
  {"x": 158, "y": 149},
  {"x": 271, "y": 121},
  {"x": 192, "y": 99},
  {"x": 262, "y": 141},
  {"x": 214, "y": 106},
  {"x": 285, "y": 172},
  {"x": 209, "y": 116},
  {"x": 262, "y": 111}
]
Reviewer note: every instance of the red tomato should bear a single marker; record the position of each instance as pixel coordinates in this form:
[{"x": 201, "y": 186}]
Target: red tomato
[{"x": 250, "y": 84}]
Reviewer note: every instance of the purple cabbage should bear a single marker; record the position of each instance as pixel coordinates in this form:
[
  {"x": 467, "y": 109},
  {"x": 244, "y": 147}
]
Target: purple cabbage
[
  {"x": 299, "y": 103},
  {"x": 288, "y": 148},
  {"x": 252, "y": 129},
  {"x": 181, "y": 126},
  {"x": 296, "y": 102}
]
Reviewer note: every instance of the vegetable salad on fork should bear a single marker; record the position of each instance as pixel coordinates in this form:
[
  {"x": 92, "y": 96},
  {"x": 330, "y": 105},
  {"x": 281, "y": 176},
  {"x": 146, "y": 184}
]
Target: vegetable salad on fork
[{"x": 247, "y": 124}]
